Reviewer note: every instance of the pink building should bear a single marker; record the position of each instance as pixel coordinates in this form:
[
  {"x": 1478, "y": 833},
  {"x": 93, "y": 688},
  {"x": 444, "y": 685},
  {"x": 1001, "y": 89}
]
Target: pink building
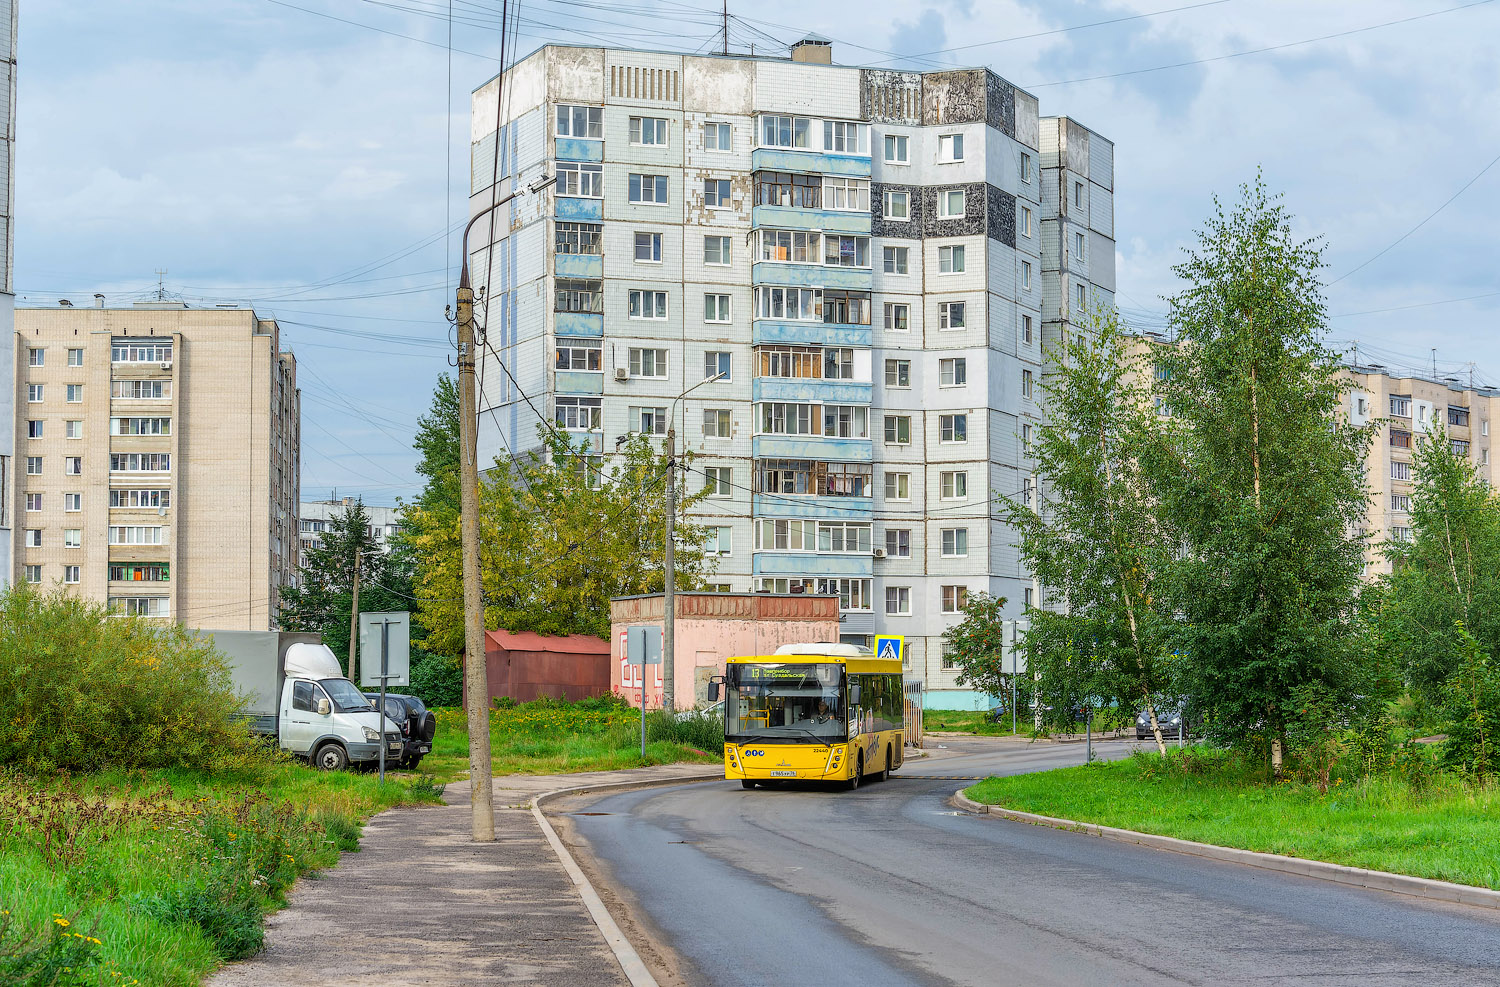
[{"x": 709, "y": 628}]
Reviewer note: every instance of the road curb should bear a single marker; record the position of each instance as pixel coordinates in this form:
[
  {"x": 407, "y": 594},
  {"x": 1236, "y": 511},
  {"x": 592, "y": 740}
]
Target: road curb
[
  {"x": 630, "y": 961},
  {"x": 1376, "y": 880}
]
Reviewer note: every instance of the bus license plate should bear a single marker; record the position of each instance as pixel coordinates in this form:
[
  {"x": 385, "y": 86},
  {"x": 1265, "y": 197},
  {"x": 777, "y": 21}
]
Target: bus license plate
[{"x": 783, "y": 774}]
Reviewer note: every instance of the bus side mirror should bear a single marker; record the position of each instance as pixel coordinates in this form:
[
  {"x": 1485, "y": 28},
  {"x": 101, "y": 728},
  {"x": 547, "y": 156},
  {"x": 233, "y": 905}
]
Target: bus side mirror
[
  {"x": 854, "y": 695},
  {"x": 713, "y": 692}
]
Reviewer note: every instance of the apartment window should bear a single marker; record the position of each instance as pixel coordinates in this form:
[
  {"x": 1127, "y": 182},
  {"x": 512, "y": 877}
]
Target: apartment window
[
  {"x": 1025, "y": 221},
  {"x": 850, "y": 308},
  {"x": 577, "y": 354},
  {"x": 72, "y": 502},
  {"x": 36, "y": 356},
  {"x": 33, "y": 574},
  {"x": 1460, "y": 447},
  {"x": 1400, "y": 471},
  {"x": 1401, "y": 503},
  {"x": 140, "y": 462},
  {"x": 898, "y": 601},
  {"x": 953, "y": 485},
  {"x": 139, "y": 606},
  {"x": 135, "y": 351},
  {"x": 1078, "y": 193},
  {"x": 950, "y": 148},
  {"x": 788, "y": 246},
  {"x": 853, "y": 594},
  {"x": 649, "y": 421},
  {"x": 896, "y": 149},
  {"x": 579, "y": 295},
  {"x": 72, "y": 538},
  {"x": 897, "y": 317},
  {"x": 953, "y": 372},
  {"x": 579, "y": 414},
  {"x": 648, "y": 362},
  {"x": 33, "y": 465},
  {"x": 718, "y": 137},
  {"x": 716, "y": 308},
  {"x": 1080, "y": 297},
  {"x": 719, "y": 540},
  {"x": 789, "y": 304},
  {"x": 1401, "y": 534},
  {"x": 579, "y": 238},
  {"x": 648, "y": 304},
  {"x": 1400, "y": 406},
  {"x": 1028, "y": 487},
  {"x": 1400, "y": 439},
  {"x": 1078, "y": 246},
  {"x": 718, "y": 481},
  {"x": 786, "y": 536},
  {"x": 33, "y": 536},
  {"x": 955, "y": 543},
  {"x": 898, "y": 543},
  {"x": 1484, "y": 427},
  {"x": 955, "y": 598},
  {"x": 781, "y": 188},
  {"x": 847, "y": 194},
  {"x": 582, "y": 180},
  {"x": 648, "y": 131},
  {"x": 716, "y": 193},
  {"x": 845, "y": 479},
  {"x": 951, "y": 259},
  {"x": 951, "y": 315},
  {"x": 1027, "y": 383},
  {"x": 33, "y": 502},
  {"x": 953, "y": 428},
  {"x": 1026, "y": 329},
  {"x": 898, "y": 373},
  {"x": 1484, "y": 456},
  {"x": 783, "y": 418},
  {"x": 1026, "y": 439},
  {"x": 139, "y": 390},
  {"x": 34, "y": 393},
  {"x": 71, "y": 573},
  {"x": 716, "y": 250},
  {"x": 1026, "y": 274},
  {"x": 34, "y": 428},
  {"x": 75, "y": 357},
  {"x": 844, "y": 538},
  {"x": 898, "y": 430},
  {"x": 73, "y": 429},
  {"x": 1458, "y": 416},
  {"x": 1025, "y": 168},
  {"x": 895, "y": 259},
  {"x": 846, "y": 421},
  {"x": 648, "y": 190},
  {"x": 580, "y": 121},
  {"x": 790, "y": 361},
  {"x": 717, "y": 363},
  {"x": 846, "y": 251},
  {"x": 717, "y": 423},
  {"x": 648, "y": 248},
  {"x": 951, "y": 203},
  {"x": 897, "y": 205},
  {"x": 898, "y": 486},
  {"x": 784, "y": 131},
  {"x": 140, "y": 426},
  {"x": 838, "y": 363},
  {"x": 841, "y": 137}
]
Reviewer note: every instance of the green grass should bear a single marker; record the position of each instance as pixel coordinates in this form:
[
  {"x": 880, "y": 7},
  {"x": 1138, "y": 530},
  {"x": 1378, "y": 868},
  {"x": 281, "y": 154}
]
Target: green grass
[
  {"x": 1447, "y": 830},
  {"x": 170, "y": 871},
  {"x": 965, "y": 721},
  {"x": 556, "y": 737}
]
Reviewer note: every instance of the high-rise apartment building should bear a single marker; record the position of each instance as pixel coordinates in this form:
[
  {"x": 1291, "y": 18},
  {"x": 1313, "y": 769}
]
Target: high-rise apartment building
[
  {"x": 315, "y": 516},
  {"x": 833, "y": 284},
  {"x": 7, "y": 285},
  {"x": 157, "y": 460}
]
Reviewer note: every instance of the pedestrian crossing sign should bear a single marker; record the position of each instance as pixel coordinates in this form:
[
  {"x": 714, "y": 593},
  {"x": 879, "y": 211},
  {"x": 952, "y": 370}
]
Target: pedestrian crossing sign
[{"x": 888, "y": 646}]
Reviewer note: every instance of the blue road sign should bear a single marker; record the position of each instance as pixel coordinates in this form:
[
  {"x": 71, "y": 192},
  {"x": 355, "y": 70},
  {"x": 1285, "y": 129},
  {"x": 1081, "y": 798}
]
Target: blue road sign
[{"x": 888, "y": 647}]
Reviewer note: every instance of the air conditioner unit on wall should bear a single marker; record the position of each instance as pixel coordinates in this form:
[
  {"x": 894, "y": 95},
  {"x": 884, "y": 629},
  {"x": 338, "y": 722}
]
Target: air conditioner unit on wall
[
  {"x": 879, "y": 553},
  {"x": 622, "y": 373},
  {"x": 166, "y": 365}
]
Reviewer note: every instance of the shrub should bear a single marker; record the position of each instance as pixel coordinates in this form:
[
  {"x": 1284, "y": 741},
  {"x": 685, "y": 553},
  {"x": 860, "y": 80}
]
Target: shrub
[
  {"x": 438, "y": 680},
  {"x": 230, "y": 921},
  {"x": 87, "y": 690},
  {"x": 1473, "y": 694}
]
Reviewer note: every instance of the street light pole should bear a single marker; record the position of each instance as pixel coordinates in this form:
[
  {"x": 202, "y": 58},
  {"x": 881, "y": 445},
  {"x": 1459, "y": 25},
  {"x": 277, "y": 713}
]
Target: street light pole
[
  {"x": 669, "y": 596},
  {"x": 476, "y": 678}
]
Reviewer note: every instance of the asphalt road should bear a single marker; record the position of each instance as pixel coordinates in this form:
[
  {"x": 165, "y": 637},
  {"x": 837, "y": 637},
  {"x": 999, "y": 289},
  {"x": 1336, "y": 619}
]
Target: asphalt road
[{"x": 889, "y": 885}]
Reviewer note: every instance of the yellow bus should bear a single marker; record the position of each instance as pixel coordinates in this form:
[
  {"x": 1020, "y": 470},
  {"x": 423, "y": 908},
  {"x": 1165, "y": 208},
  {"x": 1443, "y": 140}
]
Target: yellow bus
[{"x": 811, "y": 712}]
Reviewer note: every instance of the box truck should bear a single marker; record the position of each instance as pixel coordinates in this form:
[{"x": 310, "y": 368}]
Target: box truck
[{"x": 297, "y": 693}]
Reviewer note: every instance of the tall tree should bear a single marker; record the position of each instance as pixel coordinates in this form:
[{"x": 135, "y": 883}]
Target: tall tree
[
  {"x": 559, "y": 535},
  {"x": 1262, "y": 480},
  {"x": 324, "y": 600},
  {"x": 1449, "y": 574},
  {"x": 1095, "y": 541}
]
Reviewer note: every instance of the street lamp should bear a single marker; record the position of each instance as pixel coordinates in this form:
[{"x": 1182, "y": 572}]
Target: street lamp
[{"x": 668, "y": 669}]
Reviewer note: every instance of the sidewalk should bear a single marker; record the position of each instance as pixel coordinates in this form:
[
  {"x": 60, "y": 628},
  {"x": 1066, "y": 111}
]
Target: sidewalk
[{"x": 420, "y": 904}]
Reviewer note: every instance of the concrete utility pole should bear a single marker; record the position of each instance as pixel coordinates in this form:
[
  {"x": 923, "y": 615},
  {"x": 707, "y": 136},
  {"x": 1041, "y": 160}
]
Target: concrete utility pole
[
  {"x": 354, "y": 623},
  {"x": 669, "y": 614},
  {"x": 476, "y": 677}
]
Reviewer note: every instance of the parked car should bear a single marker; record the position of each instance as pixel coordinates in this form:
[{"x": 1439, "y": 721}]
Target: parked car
[
  {"x": 1169, "y": 720},
  {"x": 418, "y": 726}
]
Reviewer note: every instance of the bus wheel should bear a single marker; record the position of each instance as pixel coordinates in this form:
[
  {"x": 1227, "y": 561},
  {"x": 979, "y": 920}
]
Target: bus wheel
[
  {"x": 886, "y": 774},
  {"x": 859, "y": 771},
  {"x": 746, "y": 783}
]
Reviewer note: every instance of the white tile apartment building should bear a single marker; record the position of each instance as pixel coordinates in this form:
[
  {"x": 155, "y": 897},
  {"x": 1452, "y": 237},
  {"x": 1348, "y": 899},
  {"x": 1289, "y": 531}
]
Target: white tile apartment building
[
  {"x": 873, "y": 259},
  {"x": 314, "y": 517}
]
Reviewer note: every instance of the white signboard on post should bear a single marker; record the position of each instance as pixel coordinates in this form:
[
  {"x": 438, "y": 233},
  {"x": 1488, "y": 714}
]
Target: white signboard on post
[{"x": 395, "y": 626}]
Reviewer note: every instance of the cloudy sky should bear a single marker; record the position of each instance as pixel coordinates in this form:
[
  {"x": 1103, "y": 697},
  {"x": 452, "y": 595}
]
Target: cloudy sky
[{"x": 307, "y": 156}]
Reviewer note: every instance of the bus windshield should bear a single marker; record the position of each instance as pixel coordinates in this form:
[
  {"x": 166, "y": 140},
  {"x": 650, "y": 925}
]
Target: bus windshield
[{"x": 785, "y": 703}]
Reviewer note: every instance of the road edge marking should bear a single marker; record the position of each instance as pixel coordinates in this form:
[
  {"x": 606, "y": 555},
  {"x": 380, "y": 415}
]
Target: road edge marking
[
  {"x": 1374, "y": 880},
  {"x": 630, "y": 961}
]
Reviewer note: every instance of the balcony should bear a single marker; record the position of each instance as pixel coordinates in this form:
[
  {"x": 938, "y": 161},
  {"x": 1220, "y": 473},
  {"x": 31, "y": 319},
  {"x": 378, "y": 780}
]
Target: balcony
[
  {"x": 578, "y": 266},
  {"x": 770, "y": 331},
  {"x": 773, "y": 505},
  {"x": 579, "y": 149},
  {"x": 579, "y": 382},
  {"x": 578, "y": 324},
  {"x": 773, "y": 563},
  {"x": 812, "y": 276},
  {"x": 811, "y": 447},
  {"x": 794, "y": 218},
  {"x": 804, "y": 390},
  {"x": 578, "y": 210},
  {"x": 806, "y": 162}
]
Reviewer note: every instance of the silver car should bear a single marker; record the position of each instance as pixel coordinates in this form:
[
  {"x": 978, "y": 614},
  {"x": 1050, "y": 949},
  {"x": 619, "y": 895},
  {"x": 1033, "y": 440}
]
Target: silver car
[{"x": 1170, "y": 721}]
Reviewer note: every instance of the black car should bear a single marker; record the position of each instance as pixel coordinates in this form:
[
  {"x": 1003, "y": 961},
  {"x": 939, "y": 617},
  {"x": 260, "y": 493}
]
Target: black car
[
  {"x": 418, "y": 725},
  {"x": 1169, "y": 720}
]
